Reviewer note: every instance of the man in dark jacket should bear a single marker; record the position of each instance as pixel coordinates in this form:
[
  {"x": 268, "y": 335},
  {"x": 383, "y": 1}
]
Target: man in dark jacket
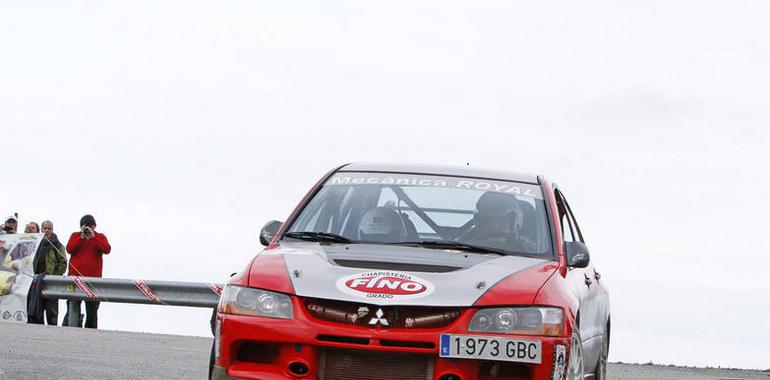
[
  {"x": 50, "y": 259},
  {"x": 87, "y": 248}
]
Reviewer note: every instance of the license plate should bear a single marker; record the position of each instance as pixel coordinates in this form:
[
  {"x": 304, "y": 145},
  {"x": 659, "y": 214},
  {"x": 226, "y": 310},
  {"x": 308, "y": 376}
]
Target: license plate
[{"x": 491, "y": 348}]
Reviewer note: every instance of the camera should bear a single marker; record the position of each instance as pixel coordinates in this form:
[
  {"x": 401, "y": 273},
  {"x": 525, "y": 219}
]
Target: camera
[
  {"x": 7, "y": 228},
  {"x": 86, "y": 230}
]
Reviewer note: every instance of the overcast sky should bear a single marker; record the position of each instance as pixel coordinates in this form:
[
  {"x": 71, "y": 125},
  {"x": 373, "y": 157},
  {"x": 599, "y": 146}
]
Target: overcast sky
[{"x": 183, "y": 126}]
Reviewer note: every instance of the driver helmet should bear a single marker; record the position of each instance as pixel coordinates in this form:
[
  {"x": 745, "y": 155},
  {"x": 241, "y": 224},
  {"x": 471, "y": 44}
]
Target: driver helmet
[
  {"x": 499, "y": 213},
  {"x": 381, "y": 224}
]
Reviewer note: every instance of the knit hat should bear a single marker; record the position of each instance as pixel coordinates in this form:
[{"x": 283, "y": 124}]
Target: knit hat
[
  {"x": 88, "y": 220},
  {"x": 12, "y": 217}
]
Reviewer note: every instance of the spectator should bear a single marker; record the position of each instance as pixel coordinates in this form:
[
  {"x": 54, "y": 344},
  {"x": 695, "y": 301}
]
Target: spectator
[
  {"x": 31, "y": 228},
  {"x": 50, "y": 259},
  {"x": 10, "y": 225},
  {"x": 87, "y": 248}
]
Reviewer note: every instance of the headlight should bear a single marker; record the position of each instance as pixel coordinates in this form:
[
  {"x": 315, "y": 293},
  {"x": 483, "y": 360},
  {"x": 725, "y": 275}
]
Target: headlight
[
  {"x": 250, "y": 301},
  {"x": 518, "y": 320}
]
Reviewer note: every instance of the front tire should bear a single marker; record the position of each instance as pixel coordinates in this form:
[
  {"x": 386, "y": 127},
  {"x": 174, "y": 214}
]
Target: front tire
[
  {"x": 576, "y": 368},
  {"x": 211, "y": 361},
  {"x": 601, "y": 365}
]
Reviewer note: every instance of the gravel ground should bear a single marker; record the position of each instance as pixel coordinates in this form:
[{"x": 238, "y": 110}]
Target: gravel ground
[
  {"x": 649, "y": 371},
  {"x": 47, "y": 352},
  {"x": 44, "y": 352}
]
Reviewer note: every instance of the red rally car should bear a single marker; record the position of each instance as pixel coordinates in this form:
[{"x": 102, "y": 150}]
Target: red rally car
[{"x": 417, "y": 272}]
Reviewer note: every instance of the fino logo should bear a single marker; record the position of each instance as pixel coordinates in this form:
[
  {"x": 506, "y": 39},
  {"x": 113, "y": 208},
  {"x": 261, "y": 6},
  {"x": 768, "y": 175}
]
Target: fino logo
[{"x": 385, "y": 285}]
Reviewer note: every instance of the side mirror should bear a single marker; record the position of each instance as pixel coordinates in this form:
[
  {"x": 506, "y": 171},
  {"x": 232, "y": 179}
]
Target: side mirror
[
  {"x": 577, "y": 254},
  {"x": 269, "y": 230}
]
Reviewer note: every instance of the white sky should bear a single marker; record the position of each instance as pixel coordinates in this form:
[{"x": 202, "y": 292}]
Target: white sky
[{"x": 183, "y": 126}]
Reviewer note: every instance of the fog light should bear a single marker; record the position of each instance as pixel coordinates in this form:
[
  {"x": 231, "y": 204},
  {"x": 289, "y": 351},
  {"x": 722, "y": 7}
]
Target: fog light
[{"x": 298, "y": 368}]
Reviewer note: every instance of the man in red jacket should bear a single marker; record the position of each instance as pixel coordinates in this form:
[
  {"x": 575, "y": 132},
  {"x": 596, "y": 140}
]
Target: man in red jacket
[{"x": 87, "y": 247}]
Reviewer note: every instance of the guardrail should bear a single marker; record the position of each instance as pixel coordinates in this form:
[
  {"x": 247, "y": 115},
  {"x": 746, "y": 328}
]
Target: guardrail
[{"x": 170, "y": 293}]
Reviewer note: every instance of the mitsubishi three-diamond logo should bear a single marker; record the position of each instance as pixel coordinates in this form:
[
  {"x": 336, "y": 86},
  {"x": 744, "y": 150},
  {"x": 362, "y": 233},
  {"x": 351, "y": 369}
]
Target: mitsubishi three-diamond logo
[{"x": 378, "y": 318}]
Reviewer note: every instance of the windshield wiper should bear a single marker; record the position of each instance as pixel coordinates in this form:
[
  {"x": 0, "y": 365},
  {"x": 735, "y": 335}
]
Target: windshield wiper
[
  {"x": 439, "y": 244},
  {"x": 318, "y": 236}
]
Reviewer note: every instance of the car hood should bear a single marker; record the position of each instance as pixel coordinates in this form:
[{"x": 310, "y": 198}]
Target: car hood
[{"x": 394, "y": 275}]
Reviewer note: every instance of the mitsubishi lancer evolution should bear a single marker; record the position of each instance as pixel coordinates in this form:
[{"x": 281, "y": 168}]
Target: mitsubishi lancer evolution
[{"x": 418, "y": 272}]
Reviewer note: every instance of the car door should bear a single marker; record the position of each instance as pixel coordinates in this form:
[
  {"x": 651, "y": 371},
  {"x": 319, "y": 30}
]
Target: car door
[
  {"x": 588, "y": 287},
  {"x": 586, "y": 283}
]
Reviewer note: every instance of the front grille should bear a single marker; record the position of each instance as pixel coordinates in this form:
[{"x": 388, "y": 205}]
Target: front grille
[
  {"x": 493, "y": 370},
  {"x": 360, "y": 314},
  {"x": 343, "y": 339},
  {"x": 410, "y": 344},
  {"x": 336, "y": 364}
]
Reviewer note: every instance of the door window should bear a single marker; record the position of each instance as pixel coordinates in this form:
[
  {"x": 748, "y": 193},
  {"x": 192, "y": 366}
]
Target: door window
[{"x": 569, "y": 227}]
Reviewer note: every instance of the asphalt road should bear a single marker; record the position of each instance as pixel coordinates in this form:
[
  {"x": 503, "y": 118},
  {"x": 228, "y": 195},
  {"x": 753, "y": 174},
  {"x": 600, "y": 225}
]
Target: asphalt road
[{"x": 43, "y": 352}]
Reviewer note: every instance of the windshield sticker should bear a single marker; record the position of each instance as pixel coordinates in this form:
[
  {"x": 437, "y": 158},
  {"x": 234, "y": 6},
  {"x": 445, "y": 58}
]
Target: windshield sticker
[
  {"x": 385, "y": 285},
  {"x": 348, "y": 179}
]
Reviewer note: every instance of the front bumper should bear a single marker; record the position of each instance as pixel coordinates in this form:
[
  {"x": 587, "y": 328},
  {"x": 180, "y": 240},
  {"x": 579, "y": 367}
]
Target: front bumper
[{"x": 267, "y": 349}]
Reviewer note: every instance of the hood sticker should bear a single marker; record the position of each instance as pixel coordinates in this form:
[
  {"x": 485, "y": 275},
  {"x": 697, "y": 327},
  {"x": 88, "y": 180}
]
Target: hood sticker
[{"x": 385, "y": 285}]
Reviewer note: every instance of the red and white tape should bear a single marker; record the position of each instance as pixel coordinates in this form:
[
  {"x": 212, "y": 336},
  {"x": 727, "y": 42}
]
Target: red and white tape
[
  {"x": 83, "y": 287},
  {"x": 216, "y": 288},
  {"x": 146, "y": 291}
]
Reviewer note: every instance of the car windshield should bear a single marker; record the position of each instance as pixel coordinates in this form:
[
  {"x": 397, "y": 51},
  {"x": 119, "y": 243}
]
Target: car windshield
[{"x": 431, "y": 211}]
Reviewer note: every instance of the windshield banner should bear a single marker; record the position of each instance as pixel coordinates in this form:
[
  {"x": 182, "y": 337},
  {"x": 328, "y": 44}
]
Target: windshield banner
[
  {"x": 16, "y": 254},
  {"x": 398, "y": 179}
]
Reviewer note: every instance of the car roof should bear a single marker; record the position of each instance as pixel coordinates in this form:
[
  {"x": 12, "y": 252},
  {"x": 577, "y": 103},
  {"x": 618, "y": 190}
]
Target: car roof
[{"x": 454, "y": 171}]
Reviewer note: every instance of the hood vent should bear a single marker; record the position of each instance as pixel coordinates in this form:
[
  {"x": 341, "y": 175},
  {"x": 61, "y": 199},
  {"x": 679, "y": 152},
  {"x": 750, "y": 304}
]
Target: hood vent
[{"x": 383, "y": 265}]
